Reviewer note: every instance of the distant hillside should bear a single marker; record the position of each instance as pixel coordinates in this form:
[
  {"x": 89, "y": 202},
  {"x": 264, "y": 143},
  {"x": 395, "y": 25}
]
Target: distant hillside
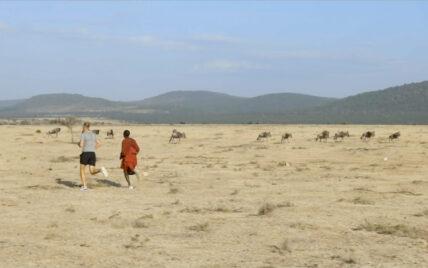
[
  {"x": 406, "y": 104},
  {"x": 218, "y": 103},
  {"x": 9, "y": 103},
  {"x": 193, "y": 100},
  {"x": 58, "y": 104},
  {"x": 62, "y": 103}
]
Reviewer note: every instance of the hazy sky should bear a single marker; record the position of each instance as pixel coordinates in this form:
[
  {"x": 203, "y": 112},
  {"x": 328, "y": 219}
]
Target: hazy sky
[{"x": 124, "y": 50}]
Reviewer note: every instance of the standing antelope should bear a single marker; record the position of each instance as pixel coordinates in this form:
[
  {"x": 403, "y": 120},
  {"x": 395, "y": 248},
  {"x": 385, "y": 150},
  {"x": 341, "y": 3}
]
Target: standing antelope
[
  {"x": 367, "y": 135},
  {"x": 110, "y": 133},
  {"x": 54, "y": 131},
  {"x": 176, "y": 135},
  {"x": 264, "y": 136},
  {"x": 341, "y": 135},
  {"x": 323, "y": 136},
  {"x": 286, "y": 137}
]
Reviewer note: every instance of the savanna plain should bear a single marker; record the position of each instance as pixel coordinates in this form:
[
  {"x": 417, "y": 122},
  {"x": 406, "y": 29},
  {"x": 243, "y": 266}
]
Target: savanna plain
[{"x": 219, "y": 198}]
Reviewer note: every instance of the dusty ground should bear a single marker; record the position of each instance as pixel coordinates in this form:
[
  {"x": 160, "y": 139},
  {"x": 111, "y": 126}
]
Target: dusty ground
[{"x": 218, "y": 199}]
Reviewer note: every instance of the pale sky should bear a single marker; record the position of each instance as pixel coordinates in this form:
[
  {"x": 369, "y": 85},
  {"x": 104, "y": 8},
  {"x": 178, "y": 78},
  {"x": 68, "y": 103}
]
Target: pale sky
[{"x": 130, "y": 50}]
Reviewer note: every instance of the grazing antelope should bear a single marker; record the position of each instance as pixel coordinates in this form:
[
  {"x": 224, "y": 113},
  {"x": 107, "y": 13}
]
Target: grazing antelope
[
  {"x": 54, "y": 131},
  {"x": 323, "y": 136},
  {"x": 110, "y": 133},
  {"x": 367, "y": 135},
  {"x": 394, "y": 136},
  {"x": 176, "y": 135},
  {"x": 285, "y": 137},
  {"x": 341, "y": 135},
  {"x": 96, "y": 131},
  {"x": 264, "y": 136}
]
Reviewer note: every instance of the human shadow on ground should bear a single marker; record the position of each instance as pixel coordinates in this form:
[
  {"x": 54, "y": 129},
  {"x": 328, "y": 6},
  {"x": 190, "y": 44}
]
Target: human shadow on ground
[
  {"x": 109, "y": 183},
  {"x": 100, "y": 182},
  {"x": 70, "y": 184}
]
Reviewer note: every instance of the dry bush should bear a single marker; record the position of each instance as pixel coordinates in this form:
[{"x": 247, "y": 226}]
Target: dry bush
[
  {"x": 285, "y": 246},
  {"x": 200, "y": 227},
  {"x": 70, "y": 209},
  {"x": 422, "y": 214},
  {"x": 266, "y": 209},
  {"x": 173, "y": 189},
  {"x": 235, "y": 192},
  {"x": 62, "y": 159},
  {"x": 286, "y": 204},
  {"x": 220, "y": 208},
  {"x": 362, "y": 201},
  {"x": 141, "y": 222},
  {"x": 51, "y": 236},
  {"x": 136, "y": 242},
  {"x": 69, "y": 122},
  {"x": 347, "y": 260},
  {"x": 191, "y": 210},
  {"x": 395, "y": 230},
  {"x": 283, "y": 164}
]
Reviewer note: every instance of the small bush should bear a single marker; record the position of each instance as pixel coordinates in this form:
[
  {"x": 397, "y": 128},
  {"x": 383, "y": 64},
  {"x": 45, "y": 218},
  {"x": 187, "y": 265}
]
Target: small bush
[
  {"x": 140, "y": 223},
  {"x": 70, "y": 209},
  {"x": 395, "y": 230},
  {"x": 266, "y": 209},
  {"x": 362, "y": 201},
  {"x": 200, "y": 227},
  {"x": 173, "y": 190}
]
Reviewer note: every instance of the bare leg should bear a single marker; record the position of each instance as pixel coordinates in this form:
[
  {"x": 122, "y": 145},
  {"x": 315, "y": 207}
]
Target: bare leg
[
  {"x": 125, "y": 172},
  {"x": 82, "y": 174},
  {"x": 94, "y": 170}
]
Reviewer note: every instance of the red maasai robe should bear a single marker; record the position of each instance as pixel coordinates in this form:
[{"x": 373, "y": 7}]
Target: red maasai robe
[{"x": 129, "y": 153}]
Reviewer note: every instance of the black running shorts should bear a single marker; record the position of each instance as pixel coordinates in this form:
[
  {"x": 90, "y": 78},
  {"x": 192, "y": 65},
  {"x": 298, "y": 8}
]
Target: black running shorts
[{"x": 88, "y": 158}]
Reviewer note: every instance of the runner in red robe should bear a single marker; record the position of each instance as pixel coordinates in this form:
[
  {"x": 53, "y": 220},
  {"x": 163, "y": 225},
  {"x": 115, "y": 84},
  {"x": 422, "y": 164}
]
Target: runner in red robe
[{"x": 128, "y": 155}]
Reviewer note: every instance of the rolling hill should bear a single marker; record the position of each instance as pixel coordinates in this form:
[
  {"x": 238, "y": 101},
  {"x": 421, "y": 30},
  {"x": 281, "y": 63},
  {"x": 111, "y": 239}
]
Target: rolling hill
[
  {"x": 9, "y": 103},
  {"x": 406, "y": 104}
]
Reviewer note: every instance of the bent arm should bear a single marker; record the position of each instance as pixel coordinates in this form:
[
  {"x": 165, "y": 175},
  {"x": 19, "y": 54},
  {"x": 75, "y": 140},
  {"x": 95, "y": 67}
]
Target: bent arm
[
  {"x": 80, "y": 144},
  {"x": 98, "y": 144}
]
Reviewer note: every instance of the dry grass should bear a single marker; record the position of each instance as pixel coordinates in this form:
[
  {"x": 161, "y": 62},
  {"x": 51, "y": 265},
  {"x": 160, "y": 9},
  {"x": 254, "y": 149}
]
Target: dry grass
[
  {"x": 362, "y": 201},
  {"x": 141, "y": 222},
  {"x": 424, "y": 213},
  {"x": 229, "y": 203},
  {"x": 401, "y": 230},
  {"x": 173, "y": 189},
  {"x": 70, "y": 209},
  {"x": 62, "y": 159}
]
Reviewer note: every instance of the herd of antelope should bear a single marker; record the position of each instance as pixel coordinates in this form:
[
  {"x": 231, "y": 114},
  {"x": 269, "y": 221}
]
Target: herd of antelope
[
  {"x": 56, "y": 131},
  {"x": 325, "y": 135},
  {"x": 176, "y": 135}
]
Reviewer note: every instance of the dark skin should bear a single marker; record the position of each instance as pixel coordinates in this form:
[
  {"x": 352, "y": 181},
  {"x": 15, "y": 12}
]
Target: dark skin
[{"x": 125, "y": 172}]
